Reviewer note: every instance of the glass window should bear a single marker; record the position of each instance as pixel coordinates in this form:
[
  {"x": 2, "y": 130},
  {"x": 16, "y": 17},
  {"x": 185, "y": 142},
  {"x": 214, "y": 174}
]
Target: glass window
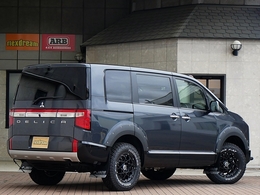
[
  {"x": 73, "y": 78},
  {"x": 118, "y": 86},
  {"x": 39, "y": 90},
  {"x": 191, "y": 95},
  {"x": 12, "y": 82},
  {"x": 154, "y": 90}
]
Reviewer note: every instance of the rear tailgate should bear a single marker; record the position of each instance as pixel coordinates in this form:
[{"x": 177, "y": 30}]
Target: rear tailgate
[
  {"x": 48, "y": 129},
  {"x": 50, "y": 104}
]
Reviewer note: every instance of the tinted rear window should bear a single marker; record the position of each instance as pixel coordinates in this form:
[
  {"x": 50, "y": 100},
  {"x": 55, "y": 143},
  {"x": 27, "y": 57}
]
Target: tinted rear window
[
  {"x": 118, "y": 86},
  {"x": 52, "y": 83}
]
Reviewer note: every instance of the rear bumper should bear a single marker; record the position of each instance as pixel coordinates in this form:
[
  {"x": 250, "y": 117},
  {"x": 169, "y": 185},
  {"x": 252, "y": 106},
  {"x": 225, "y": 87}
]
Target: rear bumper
[
  {"x": 44, "y": 156},
  {"x": 92, "y": 153},
  {"x": 88, "y": 152}
]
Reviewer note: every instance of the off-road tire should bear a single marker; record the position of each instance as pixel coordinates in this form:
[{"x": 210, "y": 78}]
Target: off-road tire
[
  {"x": 41, "y": 177},
  {"x": 124, "y": 168},
  {"x": 231, "y": 165},
  {"x": 161, "y": 174}
]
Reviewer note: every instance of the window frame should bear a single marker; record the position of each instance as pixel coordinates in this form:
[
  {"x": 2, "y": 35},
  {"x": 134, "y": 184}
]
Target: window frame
[
  {"x": 135, "y": 87},
  {"x": 196, "y": 85},
  {"x": 106, "y": 87}
]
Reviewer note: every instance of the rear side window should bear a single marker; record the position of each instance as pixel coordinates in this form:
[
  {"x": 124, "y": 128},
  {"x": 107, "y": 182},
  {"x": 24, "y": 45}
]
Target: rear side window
[
  {"x": 118, "y": 86},
  {"x": 153, "y": 89}
]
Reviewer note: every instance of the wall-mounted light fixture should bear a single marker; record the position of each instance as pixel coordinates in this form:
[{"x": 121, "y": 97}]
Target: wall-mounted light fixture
[
  {"x": 79, "y": 57},
  {"x": 236, "y": 46}
]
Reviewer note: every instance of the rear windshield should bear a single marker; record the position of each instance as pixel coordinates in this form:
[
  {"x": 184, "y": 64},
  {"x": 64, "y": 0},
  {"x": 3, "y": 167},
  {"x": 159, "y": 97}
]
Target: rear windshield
[{"x": 64, "y": 83}]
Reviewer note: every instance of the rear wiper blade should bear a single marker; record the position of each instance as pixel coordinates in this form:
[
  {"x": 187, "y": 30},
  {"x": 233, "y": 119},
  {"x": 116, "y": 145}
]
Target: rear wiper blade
[{"x": 44, "y": 98}]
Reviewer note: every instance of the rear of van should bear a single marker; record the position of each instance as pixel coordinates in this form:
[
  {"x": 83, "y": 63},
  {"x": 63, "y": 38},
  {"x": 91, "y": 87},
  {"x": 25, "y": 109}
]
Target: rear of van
[
  {"x": 50, "y": 114},
  {"x": 62, "y": 120}
]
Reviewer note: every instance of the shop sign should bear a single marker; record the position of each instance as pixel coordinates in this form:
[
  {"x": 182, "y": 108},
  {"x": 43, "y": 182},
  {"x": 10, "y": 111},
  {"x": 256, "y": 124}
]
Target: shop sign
[
  {"x": 22, "y": 42},
  {"x": 58, "y": 42}
]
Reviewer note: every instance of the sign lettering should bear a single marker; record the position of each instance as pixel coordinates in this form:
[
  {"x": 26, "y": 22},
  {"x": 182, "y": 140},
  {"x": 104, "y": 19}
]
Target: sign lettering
[
  {"x": 58, "y": 42},
  {"x": 22, "y": 42}
]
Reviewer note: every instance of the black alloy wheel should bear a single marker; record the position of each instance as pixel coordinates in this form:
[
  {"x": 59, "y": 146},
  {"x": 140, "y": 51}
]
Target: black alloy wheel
[
  {"x": 231, "y": 165},
  {"x": 124, "y": 168}
]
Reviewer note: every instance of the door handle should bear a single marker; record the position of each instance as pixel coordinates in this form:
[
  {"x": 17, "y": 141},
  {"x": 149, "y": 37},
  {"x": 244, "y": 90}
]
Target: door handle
[
  {"x": 186, "y": 118},
  {"x": 174, "y": 116}
]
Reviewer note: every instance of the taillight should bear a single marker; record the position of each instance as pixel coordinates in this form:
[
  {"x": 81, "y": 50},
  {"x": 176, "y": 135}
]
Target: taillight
[
  {"x": 11, "y": 117},
  {"x": 81, "y": 116},
  {"x": 82, "y": 119},
  {"x": 74, "y": 145},
  {"x": 10, "y": 144}
]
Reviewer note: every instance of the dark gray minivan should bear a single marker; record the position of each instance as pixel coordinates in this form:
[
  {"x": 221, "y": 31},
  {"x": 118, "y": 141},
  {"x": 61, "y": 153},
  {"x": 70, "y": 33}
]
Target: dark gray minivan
[{"x": 118, "y": 121}]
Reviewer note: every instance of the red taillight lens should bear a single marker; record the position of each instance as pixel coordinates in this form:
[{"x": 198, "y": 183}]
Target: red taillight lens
[
  {"x": 15, "y": 113},
  {"x": 10, "y": 144},
  {"x": 82, "y": 119},
  {"x": 11, "y": 117},
  {"x": 74, "y": 145}
]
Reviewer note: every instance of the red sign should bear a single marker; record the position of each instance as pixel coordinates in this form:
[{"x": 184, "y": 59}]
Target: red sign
[{"x": 58, "y": 42}]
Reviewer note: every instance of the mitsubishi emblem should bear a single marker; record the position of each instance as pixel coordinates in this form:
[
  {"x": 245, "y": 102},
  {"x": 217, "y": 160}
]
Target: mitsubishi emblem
[{"x": 42, "y": 105}]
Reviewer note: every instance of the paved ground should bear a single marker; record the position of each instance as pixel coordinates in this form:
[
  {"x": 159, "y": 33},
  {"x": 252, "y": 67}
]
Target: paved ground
[{"x": 183, "y": 182}]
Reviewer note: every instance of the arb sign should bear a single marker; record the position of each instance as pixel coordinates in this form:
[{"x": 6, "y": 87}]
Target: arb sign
[{"x": 58, "y": 42}]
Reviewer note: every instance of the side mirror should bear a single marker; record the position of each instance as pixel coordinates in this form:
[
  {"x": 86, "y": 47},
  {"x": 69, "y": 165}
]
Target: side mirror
[{"x": 214, "y": 106}]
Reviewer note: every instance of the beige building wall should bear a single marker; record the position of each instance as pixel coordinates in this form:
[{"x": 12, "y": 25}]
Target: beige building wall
[
  {"x": 199, "y": 56},
  {"x": 157, "y": 54}
]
